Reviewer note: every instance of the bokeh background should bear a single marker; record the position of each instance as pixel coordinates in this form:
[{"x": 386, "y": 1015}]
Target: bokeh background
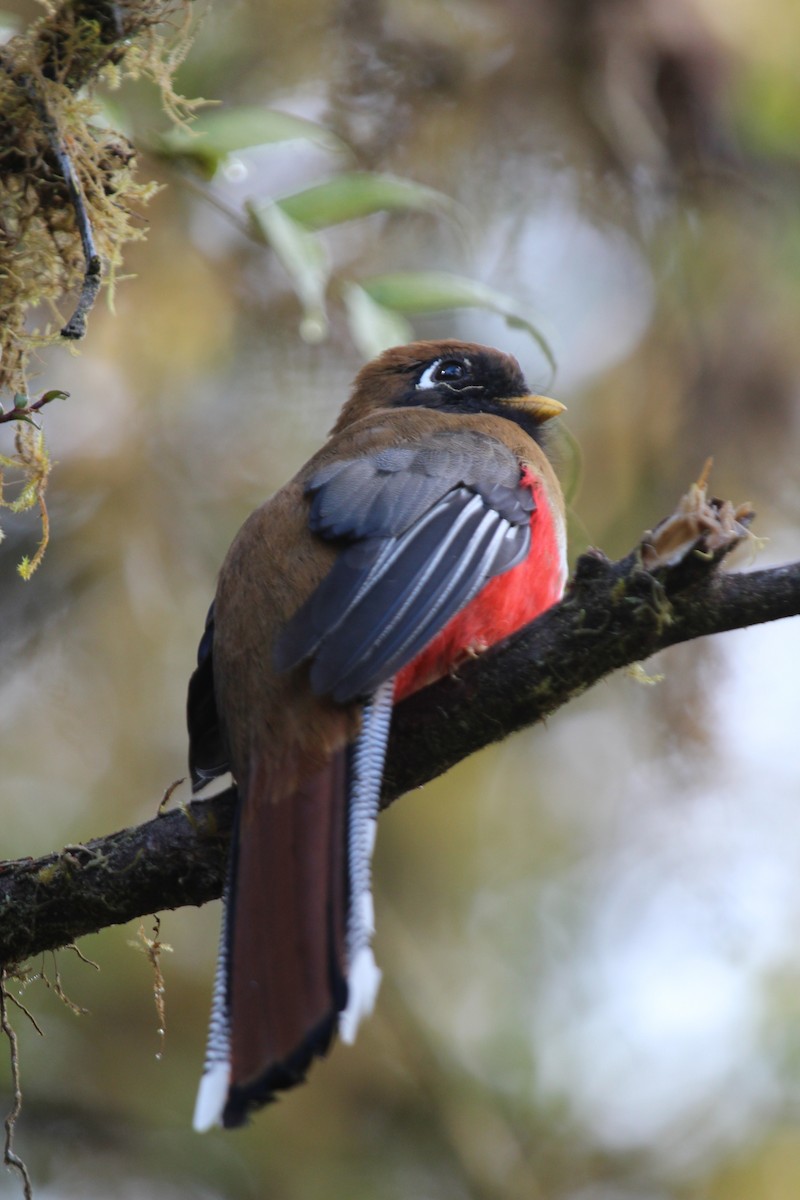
[{"x": 590, "y": 934}]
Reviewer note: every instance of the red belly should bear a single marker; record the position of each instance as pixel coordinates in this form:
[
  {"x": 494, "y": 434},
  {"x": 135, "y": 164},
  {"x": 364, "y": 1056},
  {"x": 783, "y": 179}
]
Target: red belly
[{"x": 504, "y": 605}]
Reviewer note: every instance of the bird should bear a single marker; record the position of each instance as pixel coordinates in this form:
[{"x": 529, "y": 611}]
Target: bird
[{"x": 428, "y": 527}]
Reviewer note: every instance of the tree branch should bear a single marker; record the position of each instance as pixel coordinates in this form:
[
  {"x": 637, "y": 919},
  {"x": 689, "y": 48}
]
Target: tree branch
[{"x": 669, "y": 589}]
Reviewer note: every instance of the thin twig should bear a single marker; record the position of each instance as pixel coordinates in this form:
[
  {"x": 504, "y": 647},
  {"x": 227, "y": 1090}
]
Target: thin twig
[
  {"x": 22, "y": 409},
  {"x": 153, "y": 947},
  {"x": 10, "y": 1158},
  {"x": 75, "y": 327},
  {"x": 89, "y": 961},
  {"x": 25, "y": 1012}
]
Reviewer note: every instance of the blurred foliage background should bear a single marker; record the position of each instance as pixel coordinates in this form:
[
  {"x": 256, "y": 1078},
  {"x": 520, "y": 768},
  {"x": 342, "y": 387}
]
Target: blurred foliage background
[{"x": 590, "y": 934}]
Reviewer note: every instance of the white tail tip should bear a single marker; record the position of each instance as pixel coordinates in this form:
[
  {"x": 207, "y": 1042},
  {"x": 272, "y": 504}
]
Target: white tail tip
[
  {"x": 211, "y": 1097},
  {"x": 363, "y": 981}
]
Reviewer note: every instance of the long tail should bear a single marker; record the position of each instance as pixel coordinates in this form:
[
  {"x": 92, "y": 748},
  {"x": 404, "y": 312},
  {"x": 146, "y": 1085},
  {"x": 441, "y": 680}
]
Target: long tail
[
  {"x": 295, "y": 953},
  {"x": 366, "y": 759},
  {"x": 215, "y": 1080}
]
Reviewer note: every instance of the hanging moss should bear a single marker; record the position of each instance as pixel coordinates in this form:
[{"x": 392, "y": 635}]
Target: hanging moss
[{"x": 47, "y": 113}]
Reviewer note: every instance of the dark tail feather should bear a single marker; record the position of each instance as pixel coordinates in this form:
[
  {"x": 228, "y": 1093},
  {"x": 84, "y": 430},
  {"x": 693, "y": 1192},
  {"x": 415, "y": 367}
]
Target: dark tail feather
[
  {"x": 287, "y": 980},
  {"x": 297, "y": 931},
  {"x": 285, "y": 942}
]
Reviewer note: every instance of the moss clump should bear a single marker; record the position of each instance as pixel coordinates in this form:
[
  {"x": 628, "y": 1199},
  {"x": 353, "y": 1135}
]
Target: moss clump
[
  {"x": 69, "y": 201},
  {"x": 47, "y": 113}
]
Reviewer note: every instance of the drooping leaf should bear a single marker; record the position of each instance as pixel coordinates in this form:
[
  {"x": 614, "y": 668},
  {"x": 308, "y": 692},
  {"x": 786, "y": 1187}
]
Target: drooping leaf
[
  {"x": 305, "y": 260},
  {"x": 373, "y": 328},
  {"x": 220, "y": 132},
  {"x": 436, "y": 291},
  {"x": 359, "y": 194}
]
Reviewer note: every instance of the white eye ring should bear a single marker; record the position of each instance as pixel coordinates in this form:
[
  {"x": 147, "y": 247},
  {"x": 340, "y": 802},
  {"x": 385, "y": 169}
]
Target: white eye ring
[{"x": 426, "y": 379}]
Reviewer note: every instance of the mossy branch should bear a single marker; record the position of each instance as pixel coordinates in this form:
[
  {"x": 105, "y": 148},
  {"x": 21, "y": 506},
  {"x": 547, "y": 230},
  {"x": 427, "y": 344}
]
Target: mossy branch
[
  {"x": 669, "y": 589},
  {"x": 68, "y": 200}
]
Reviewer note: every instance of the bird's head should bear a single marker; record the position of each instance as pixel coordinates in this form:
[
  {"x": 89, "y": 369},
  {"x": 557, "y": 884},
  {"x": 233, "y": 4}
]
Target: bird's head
[{"x": 451, "y": 376}]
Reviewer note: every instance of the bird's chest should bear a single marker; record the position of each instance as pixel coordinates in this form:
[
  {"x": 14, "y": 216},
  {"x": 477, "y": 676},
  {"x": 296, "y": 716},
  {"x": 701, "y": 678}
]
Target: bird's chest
[{"x": 505, "y": 604}]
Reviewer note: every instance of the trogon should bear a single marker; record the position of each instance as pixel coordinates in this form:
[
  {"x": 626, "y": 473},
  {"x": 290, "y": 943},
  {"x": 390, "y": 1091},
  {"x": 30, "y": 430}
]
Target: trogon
[{"x": 428, "y": 527}]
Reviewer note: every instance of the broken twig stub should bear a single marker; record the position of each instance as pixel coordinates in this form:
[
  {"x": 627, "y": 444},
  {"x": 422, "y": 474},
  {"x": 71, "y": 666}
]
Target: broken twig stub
[{"x": 701, "y": 525}]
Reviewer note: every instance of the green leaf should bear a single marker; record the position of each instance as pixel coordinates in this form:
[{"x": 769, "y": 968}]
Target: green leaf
[
  {"x": 305, "y": 260},
  {"x": 360, "y": 194},
  {"x": 373, "y": 328},
  {"x": 220, "y": 132},
  {"x": 434, "y": 291}
]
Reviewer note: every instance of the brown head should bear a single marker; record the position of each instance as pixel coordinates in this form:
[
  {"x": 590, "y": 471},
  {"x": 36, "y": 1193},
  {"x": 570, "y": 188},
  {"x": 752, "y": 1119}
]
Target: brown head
[{"x": 449, "y": 376}]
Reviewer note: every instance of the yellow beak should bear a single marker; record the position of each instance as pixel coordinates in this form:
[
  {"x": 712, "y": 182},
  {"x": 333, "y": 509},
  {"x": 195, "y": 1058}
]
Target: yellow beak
[{"x": 541, "y": 408}]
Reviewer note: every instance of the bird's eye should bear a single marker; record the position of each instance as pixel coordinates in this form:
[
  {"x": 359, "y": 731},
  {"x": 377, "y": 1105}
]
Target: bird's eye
[{"x": 444, "y": 370}]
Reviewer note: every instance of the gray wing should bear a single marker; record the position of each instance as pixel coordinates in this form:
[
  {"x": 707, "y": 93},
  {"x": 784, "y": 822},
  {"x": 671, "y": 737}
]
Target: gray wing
[{"x": 422, "y": 528}]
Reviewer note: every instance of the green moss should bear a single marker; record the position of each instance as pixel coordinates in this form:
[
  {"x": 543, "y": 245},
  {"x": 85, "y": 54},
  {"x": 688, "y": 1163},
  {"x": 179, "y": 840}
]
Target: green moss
[
  {"x": 47, "y": 119},
  {"x": 41, "y": 102}
]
